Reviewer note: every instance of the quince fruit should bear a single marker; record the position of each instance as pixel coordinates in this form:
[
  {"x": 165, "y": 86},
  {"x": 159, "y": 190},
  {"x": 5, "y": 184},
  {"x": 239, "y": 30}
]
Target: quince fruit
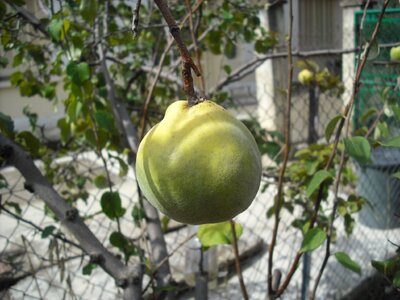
[
  {"x": 305, "y": 77},
  {"x": 395, "y": 53},
  {"x": 199, "y": 164}
]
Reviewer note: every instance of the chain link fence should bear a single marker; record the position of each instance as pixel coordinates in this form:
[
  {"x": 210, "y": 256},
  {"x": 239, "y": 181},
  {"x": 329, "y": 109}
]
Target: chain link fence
[{"x": 38, "y": 259}]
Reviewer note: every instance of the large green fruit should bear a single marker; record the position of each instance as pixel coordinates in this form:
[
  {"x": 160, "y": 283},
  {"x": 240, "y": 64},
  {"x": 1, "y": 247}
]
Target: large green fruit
[{"x": 199, "y": 164}]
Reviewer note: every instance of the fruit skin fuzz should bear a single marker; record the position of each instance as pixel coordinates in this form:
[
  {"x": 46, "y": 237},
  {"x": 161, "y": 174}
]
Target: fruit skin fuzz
[{"x": 199, "y": 164}]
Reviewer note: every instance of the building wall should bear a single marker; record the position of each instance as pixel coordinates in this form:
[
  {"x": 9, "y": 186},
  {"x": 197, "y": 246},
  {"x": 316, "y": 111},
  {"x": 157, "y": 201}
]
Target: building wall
[{"x": 316, "y": 25}]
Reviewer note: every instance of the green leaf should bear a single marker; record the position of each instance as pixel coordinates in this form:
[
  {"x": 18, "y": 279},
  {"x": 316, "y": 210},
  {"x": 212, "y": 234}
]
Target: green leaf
[
  {"x": 228, "y": 69},
  {"x": 19, "y": 2},
  {"x": 138, "y": 213},
  {"x": 74, "y": 109},
  {"x": 65, "y": 129},
  {"x": 358, "y": 148},
  {"x": 78, "y": 73},
  {"x": 347, "y": 262},
  {"x": 47, "y": 231},
  {"x": 227, "y": 15},
  {"x": 349, "y": 224},
  {"x": 100, "y": 182},
  {"x": 217, "y": 234},
  {"x": 29, "y": 142},
  {"x": 396, "y": 280},
  {"x": 394, "y": 142},
  {"x": 111, "y": 205},
  {"x": 14, "y": 205},
  {"x": 87, "y": 270},
  {"x": 3, "y": 182},
  {"x": 396, "y": 175},
  {"x": 58, "y": 29},
  {"x": 54, "y": 28},
  {"x": 105, "y": 120},
  {"x": 331, "y": 127},
  {"x": 388, "y": 266},
  {"x": 88, "y": 10},
  {"x": 6, "y": 124},
  {"x": 313, "y": 239},
  {"x": 230, "y": 50},
  {"x": 118, "y": 240},
  {"x": 316, "y": 181}
]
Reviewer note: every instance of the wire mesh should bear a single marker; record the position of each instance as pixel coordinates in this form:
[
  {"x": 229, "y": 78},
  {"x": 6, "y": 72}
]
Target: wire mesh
[{"x": 39, "y": 267}]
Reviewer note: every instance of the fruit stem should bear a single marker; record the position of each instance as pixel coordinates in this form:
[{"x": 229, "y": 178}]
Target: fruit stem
[{"x": 187, "y": 62}]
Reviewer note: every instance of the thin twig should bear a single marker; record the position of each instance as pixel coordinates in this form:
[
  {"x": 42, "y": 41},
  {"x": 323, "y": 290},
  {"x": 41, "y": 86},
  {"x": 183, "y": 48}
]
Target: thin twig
[
  {"x": 158, "y": 73},
  {"x": 237, "y": 261},
  {"x": 37, "y": 227},
  {"x": 187, "y": 62},
  {"x": 173, "y": 251},
  {"x": 196, "y": 46},
  {"x": 250, "y": 66},
  {"x": 135, "y": 18},
  {"x": 159, "y": 265},
  {"x": 287, "y": 119},
  {"x": 24, "y": 240}
]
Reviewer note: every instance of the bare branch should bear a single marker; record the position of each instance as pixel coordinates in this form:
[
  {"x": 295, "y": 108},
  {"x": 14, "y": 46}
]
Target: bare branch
[
  {"x": 287, "y": 120},
  {"x": 250, "y": 66},
  {"x": 55, "y": 235},
  {"x": 135, "y": 19},
  {"x": 237, "y": 261},
  {"x": 129, "y": 277}
]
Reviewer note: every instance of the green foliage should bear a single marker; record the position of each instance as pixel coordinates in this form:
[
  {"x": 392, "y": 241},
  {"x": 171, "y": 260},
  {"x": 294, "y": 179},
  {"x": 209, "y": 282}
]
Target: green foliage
[
  {"x": 358, "y": 148},
  {"x": 269, "y": 142},
  {"x": 218, "y": 234},
  {"x": 6, "y": 125},
  {"x": 317, "y": 179},
  {"x": 111, "y": 205},
  {"x": 48, "y": 231},
  {"x": 87, "y": 269},
  {"x": 313, "y": 239},
  {"x": 329, "y": 129},
  {"x": 345, "y": 260},
  {"x": 117, "y": 239}
]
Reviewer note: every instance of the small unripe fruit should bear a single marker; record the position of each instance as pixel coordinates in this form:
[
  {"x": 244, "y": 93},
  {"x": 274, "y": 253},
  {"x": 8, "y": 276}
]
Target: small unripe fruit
[
  {"x": 305, "y": 77},
  {"x": 395, "y": 54}
]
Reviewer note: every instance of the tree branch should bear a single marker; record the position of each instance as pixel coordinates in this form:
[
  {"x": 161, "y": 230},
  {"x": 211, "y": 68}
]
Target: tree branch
[
  {"x": 237, "y": 261},
  {"x": 250, "y": 66},
  {"x": 287, "y": 120},
  {"x": 187, "y": 62},
  {"x": 128, "y": 278}
]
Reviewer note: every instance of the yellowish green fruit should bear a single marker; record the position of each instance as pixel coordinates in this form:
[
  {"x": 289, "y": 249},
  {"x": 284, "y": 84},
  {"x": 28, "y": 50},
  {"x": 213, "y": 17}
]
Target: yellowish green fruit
[
  {"x": 199, "y": 164},
  {"x": 305, "y": 77},
  {"x": 395, "y": 54}
]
